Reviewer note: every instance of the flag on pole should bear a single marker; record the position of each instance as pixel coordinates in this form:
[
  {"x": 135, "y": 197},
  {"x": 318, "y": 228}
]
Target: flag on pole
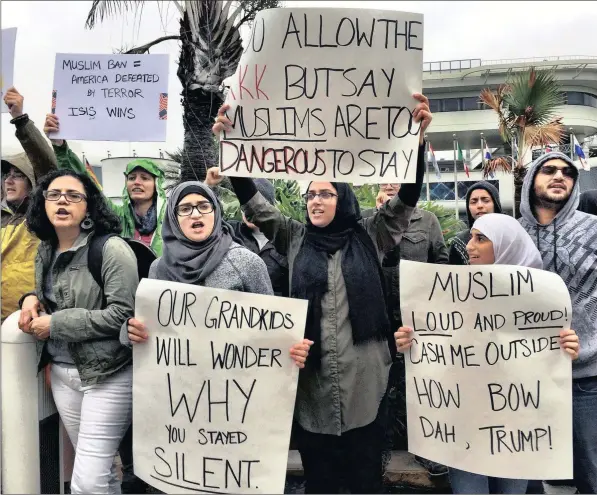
[
  {"x": 461, "y": 157},
  {"x": 91, "y": 174},
  {"x": 581, "y": 154},
  {"x": 487, "y": 156},
  {"x": 434, "y": 162}
]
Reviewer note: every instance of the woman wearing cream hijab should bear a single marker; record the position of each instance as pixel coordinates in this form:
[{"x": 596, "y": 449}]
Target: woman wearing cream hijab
[{"x": 496, "y": 239}]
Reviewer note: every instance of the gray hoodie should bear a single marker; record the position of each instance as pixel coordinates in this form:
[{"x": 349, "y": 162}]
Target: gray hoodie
[{"x": 568, "y": 246}]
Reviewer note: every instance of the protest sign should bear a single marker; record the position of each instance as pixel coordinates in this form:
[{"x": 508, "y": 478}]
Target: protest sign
[
  {"x": 488, "y": 389},
  {"x": 214, "y": 388},
  {"x": 111, "y": 97},
  {"x": 9, "y": 38},
  {"x": 326, "y": 94}
]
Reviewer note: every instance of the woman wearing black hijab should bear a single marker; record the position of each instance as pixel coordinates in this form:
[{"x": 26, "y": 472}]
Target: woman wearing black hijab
[{"x": 335, "y": 263}]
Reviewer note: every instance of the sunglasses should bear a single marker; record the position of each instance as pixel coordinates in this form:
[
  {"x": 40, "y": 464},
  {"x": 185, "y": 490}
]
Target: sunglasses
[{"x": 568, "y": 171}]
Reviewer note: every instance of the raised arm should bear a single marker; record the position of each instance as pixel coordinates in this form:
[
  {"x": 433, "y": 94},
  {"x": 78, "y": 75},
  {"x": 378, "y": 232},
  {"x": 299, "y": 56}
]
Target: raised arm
[{"x": 38, "y": 150}]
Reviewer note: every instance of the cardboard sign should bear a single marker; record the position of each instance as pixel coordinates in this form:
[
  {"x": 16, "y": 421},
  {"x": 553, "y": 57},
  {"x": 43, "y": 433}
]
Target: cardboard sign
[
  {"x": 326, "y": 94},
  {"x": 9, "y": 38},
  {"x": 111, "y": 97},
  {"x": 214, "y": 388},
  {"x": 488, "y": 388}
]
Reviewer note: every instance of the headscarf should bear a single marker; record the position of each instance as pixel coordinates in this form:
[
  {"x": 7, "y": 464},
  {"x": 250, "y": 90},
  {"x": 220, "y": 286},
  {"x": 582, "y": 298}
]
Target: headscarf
[
  {"x": 361, "y": 270},
  {"x": 511, "y": 243},
  {"x": 187, "y": 261}
]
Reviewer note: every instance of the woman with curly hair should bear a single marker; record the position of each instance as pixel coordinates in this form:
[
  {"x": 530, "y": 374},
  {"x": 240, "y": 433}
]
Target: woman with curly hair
[{"x": 76, "y": 322}]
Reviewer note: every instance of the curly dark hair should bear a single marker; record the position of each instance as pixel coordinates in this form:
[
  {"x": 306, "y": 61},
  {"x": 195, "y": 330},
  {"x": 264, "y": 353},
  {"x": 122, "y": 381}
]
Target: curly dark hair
[{"x": 104, "y": 219}]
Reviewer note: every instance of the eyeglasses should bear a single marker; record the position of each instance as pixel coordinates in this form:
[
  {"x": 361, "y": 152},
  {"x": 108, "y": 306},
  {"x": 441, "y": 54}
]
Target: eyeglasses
[
  {"x": 205, "y": 207},
  {"x": 71, "y": 197},
  {"x": 324, "y": 195},
  {"x": 14, "y": 176},
  {"x": 570, "y": 172}
]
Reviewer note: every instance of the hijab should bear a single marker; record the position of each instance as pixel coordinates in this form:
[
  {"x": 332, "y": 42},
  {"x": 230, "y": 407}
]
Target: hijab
[
  {"x": 511, "y": 243},
  {"x": 361, "y": 270},
  {"x": 186, "y": 261}
]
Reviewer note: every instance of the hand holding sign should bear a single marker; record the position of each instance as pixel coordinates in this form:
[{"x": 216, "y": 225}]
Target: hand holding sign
[{"x": 14, "y": 102}]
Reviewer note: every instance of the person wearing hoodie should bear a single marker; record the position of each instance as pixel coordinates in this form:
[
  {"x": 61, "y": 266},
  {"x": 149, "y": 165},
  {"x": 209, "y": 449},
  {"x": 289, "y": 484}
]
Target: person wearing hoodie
[
  {"x": 253, "y": 239},
  {"x": 567, "y": 241},
  {"x": 481, "y": 198},
  {"x": 143, "y": 197},
  {"x": 20, "y": 173}
]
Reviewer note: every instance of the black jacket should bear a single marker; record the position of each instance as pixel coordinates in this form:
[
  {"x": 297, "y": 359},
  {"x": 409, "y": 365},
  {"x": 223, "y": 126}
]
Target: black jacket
[
  {"x": 277, "y": 265},
  {"x": 458, "y": 254}
]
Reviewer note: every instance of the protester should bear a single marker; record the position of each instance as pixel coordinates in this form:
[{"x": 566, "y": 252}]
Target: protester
[
  {"x": 588, "y": 202},
  {"x": 91, "y": 376},
  {"x": 424, "y": 242},
  {"x": 566, "y": 239},
  {"x": 335, "y": 263},
  {"x": 143, "y": 198},
  {"x": 481, "y": 198},
  {"x": 199, "y": 249},
  {"x": 495, "y": 239},
  {"x": 254, "y": 240},
  {"x": 20, "y": 173}
]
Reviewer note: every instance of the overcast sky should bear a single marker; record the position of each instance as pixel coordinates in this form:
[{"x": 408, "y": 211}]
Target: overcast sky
[{"x": 453, "y": 30}]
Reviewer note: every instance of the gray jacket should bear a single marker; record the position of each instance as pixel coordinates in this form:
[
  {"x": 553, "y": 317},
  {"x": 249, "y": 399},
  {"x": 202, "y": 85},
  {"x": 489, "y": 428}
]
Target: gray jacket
[
  {"x": 346, "y": 391},
  {"x": 90, "y": 331},
  {"x": 240, "y": 270},
  {"x": 423, "y": 241},
  {"x": 568, "y": 246}
]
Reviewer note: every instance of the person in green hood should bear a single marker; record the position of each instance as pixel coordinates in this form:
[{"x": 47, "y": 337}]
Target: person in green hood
[{"x": 143, "y": 198}]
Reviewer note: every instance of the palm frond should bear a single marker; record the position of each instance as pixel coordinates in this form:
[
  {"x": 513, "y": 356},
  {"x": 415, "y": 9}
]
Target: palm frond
[
  {"x": 101, "y": 9},
  {"x": 498, "y": 164},
  {"x": 549, "y": 133}
]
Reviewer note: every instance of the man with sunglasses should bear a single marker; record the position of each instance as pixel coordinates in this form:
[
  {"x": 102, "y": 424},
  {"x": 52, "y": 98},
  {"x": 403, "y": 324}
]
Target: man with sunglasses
[
  {"x": 567, "y": 240},
  {"x": 19, "y": 175}
]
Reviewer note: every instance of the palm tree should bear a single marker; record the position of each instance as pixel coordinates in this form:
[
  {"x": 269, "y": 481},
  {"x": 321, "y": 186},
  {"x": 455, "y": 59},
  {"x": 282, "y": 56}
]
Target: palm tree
[
  {"x": 526, "y": 114},
  {"x": 211, "y": 47}
]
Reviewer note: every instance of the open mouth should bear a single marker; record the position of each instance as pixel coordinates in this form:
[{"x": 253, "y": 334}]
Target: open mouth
[
  {"x": 61, "y": 213},
  {"x": 138, "y": 189},
  {"x": 558, "y": 187},
  {"x": 10, "y": 189},
  {"x": 197, "y": 225},
  {"x": 317, "y": 211}
]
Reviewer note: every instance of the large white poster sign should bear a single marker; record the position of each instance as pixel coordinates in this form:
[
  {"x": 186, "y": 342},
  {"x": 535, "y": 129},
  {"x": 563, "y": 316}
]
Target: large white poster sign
[
  {"x": 214, "y": 388},
  {"x": 111, "y": 97},
  {"x": 488, "y": 388},
  {"x": 9, "y": 38},
  {"x": 326, "y": 94}
]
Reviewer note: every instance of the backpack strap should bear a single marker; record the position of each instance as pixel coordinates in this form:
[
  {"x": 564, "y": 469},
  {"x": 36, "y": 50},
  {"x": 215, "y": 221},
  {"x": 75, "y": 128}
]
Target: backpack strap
[{"x": 95, "y": 257}]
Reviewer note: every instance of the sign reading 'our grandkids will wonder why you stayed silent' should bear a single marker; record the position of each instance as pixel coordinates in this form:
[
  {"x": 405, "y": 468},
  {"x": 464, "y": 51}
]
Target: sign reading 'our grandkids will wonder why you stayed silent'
[
  {"x": 488, "y": 388},
  {"x": 111, "y": 97},
  {"x": 326, "y": 94},
  {"x": 214, "y": 388}
]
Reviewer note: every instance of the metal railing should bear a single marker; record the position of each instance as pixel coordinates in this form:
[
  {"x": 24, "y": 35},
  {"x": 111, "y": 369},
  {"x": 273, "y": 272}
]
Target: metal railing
[{"x": 464, "y": 64}]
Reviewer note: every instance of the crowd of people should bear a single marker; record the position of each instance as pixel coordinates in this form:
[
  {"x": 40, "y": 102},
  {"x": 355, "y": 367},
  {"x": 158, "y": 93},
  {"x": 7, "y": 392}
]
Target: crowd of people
[{"x": 350, "y": 360}]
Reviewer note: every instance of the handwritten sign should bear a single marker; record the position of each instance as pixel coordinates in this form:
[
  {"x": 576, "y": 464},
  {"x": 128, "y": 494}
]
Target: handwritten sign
[
  {"x": 488, "y": 388},
  {"x": 9, "y": 38},
  {"x": 111, "y": 97},
  {"x": 214, "y": 388},
  {"x": 326, "y": 94}
]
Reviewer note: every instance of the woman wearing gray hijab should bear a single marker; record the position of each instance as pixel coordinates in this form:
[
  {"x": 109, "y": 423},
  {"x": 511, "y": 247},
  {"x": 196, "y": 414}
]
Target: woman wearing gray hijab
[{"x": 199, "y": 249}]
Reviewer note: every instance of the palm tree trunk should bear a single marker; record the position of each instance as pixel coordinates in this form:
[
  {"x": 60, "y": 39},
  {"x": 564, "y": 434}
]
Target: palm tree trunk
[
  {"x": 200, "y": 150},
  {"x": 519, "y": 175}
]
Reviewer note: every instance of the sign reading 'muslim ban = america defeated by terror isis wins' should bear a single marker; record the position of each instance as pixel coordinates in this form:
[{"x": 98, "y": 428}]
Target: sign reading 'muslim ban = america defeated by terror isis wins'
[
  {"x": 326, "y": 94},
  {"x": 214, "y": 388},
  {"x": 111, "y": 97},
  {"x": 488, "y": 388}
]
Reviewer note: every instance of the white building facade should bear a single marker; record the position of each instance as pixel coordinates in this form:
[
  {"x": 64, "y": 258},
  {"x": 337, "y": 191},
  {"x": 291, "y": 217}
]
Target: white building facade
[{"x": 453, "y": 88}]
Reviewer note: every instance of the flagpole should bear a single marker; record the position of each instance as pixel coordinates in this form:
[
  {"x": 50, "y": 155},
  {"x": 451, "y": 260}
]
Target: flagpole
[
  {"x": 483, "y": 152},
  {"x": 571, "y": 145},
  {"x": 513, "y": 144},
  {"x": 427, "y": 165},
  {"x": 455, "y": 178}
]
